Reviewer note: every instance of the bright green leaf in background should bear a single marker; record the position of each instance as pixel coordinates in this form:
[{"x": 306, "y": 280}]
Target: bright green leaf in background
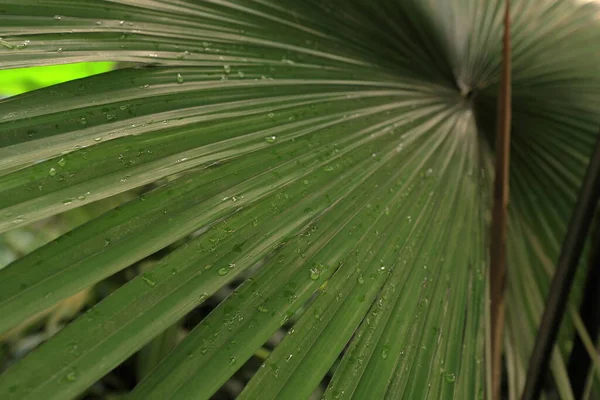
[
  {"x": 314, "y": 172},
  {"x": 17, "y": 81}
]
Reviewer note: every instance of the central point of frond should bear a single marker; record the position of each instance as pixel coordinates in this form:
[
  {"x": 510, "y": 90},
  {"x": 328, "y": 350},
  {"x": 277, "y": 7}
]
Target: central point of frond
[{"x": 466, "y": 91}]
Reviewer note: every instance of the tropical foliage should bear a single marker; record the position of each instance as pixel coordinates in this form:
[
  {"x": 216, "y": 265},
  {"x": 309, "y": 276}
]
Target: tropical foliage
[{"x": 331, "y": 160}]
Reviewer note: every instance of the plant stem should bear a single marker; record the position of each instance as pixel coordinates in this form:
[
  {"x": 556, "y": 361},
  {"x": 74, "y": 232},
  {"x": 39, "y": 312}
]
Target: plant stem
[{"x": 499, "y": 211}]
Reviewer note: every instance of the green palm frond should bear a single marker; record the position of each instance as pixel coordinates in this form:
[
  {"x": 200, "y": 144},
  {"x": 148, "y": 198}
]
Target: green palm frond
[{"x": 332, "y": 157}]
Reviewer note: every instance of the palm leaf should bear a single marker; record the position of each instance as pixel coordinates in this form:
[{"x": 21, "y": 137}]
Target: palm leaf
[{"x": 334, "y": 157}]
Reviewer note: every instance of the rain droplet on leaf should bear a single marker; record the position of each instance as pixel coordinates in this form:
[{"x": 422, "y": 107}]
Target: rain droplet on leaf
[
  {"x": 179, "y": 78},
  {"x": 71, "y": 376},
  {"x": 271, "y": 139},
  {"x": 315, "y": 273},
  {"x": 384, "y": 352},
  {"x": 450, "y": 377},
  {"x": 149, "y": 279},
  {"x": 62, "y": 162},
  {"x": 52, "y": 172}
]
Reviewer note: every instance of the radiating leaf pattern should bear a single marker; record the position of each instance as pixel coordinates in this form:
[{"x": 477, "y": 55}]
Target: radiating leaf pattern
[{"x": 334, "y": 155}]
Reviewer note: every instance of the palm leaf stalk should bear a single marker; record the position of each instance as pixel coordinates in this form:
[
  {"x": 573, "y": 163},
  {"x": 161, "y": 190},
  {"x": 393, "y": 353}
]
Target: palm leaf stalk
[{"x": 499, "y": 210}]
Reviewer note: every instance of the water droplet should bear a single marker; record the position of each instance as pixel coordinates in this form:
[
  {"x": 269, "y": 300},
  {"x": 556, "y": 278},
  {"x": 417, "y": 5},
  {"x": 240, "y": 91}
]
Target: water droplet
[
  {"x": 62, "y": 162},
  {"x": 23, "y": 45},
  {"x": 271, "y": 115},
  {"x": 149, "y": 279},
  {"x": 429, "y": 172},
  {"x": 67, "y": 202},
  {"x": 328, "y": 168},
  {"x": 223, "y": 271},
  {"x": 98, "y": 139},
  {"x": 360, "y": 279},
  {"x": 226, "y": 68},
  {"x": 240, "y": 74},
  {"x": 83, "y": 121},
  {"x": 52, "y": 172},
  {"x": 231, "y": 360},
  {"x": 271, "y": 139},
  {"x": 315, "y": 274},
  {"x": 71, "y": 376},
  {"x": 57, "y": 17},
  {"x": 384, "y": 352},
  {"x": 450, "y": 377},
  {"x": 262, "y": 309},
  {"x": 179, "y": 78},
  {"x": 59, "y": 50}
]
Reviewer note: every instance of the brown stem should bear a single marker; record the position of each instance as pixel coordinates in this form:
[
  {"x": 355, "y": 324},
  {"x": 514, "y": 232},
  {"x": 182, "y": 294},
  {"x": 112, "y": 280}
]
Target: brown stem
[{"x": 499, "y": 211}]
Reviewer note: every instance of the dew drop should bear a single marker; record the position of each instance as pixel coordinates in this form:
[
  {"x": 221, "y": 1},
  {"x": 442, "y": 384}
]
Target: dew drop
[
  {"x": 52, "y": 172},
  {"x": 179, "y": 78},
  {"x": 328, "y": 168},
  {"x": 226, "y": 68},
  {"x": 223, "y": 271},
  {"x": 315, "y": 274},
  {"x": 148, "y": 279},
  {"x": 71, "y": 376},
  {"x": 271, "y": 139},
  {"x": 83, "y": 121},
  {"x": 57, "y": 17},
  {"x": 62, "y": 162},
  {"x": 360, "y": 279},
  {"x": 384, "y": 352},
  {"x": 262, "y": 309},
  {"x": 450, "y": 377}
]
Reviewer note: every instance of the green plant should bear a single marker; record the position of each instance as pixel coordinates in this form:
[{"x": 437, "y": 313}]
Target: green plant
[{"x": 334, "y": 156}]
